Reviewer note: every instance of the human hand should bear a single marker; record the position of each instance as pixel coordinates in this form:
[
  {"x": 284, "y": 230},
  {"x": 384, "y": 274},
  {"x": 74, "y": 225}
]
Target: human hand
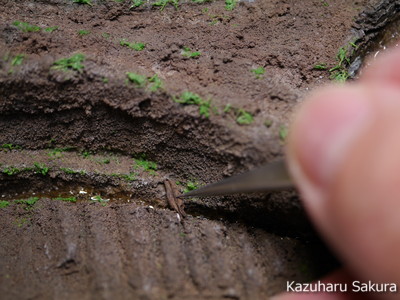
[{"x": 344, "y": 155}]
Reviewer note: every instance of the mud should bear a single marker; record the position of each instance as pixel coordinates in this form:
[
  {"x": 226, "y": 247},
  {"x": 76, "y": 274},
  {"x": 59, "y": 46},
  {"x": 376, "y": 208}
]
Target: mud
[{"x": 64, "y": 133}]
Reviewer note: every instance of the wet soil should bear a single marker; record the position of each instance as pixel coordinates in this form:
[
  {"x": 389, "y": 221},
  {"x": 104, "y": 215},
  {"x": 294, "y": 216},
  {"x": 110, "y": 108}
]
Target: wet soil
[{"x": 85, "y": 134}]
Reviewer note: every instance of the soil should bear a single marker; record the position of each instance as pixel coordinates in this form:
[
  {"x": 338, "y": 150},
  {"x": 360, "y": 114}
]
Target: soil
[{"x": 85, "y": 134}]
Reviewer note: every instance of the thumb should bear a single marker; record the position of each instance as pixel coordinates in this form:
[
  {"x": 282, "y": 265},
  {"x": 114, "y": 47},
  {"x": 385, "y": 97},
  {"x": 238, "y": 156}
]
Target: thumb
[{"x": 344, "y": 154}]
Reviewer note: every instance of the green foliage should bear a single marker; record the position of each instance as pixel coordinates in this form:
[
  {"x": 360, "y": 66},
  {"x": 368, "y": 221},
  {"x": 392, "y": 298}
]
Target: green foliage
[
  {"x": 230, "y": 4},
  {"x": 11, "y": 170},
  {"x": 194, "y": 99},
  {"x": 70, "y": 171},
  {"x": 10, "y": 147},
  {"x": 268, "y": 123},
  {"x": 88, "y": 2},
  {"x": 66, "y": 199},
  {"x": 190, "y": 186},
  {"x": 74, "y": 62},
  {"x": 106, "y": 35},
  {"x": 145, "y": 165},
  {"x": 17, "y": 60},
  {"x": 258, "y": 72},
  {"x": 324, "y": 3},
  {"x": 50, "y": 29},
  {"x": 155, "y": 83},
  {"x": 136, "y": 3},
  {"x": 138, "y": 80},
  {"x": 4, "y": 204},
  {"x": 57, "y": 152},
  {"x": 340, "y": 76},
  {"x": 28, "y": 202},
  {"x": 322, "y": 66},
  {"x": 129, "y": 177},
  {"x": 134, "y": 46},
  {"x": 99, "y": 199},
  {"x": 283, "y": 133},
  {"x": 228, "y": 108},
  {"x": 163, "y": 3},
  {"x": 26, "y": 27},
  {"x": 339, "y": 72},
  {"x": 244, "y": 117},
  {"x": 83, "y": 32},
  {"x": 188, "y": 53},
  {"x": 86, "y": 154},
  {"x": 41, "y": 168}
]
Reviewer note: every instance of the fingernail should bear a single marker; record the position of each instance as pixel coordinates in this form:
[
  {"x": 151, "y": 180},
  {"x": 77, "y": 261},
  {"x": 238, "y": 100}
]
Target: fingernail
[{"x": 324, "y": 130}]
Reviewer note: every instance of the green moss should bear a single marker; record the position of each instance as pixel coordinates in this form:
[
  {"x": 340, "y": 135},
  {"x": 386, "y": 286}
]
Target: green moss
[
  {"x": 26, "y": 27},
  {"x": 50, "y": 29},
  {"x": 258, "y": 72},
  {"x": 136, "y": 3},
  {"x": 138, "y": 80},
  {"x": 41, "y": 168},
  {"x": 10, "y": 147},
  {"x": 145, "y": 165},
  {"x": 244, "y": 117},
  {"x": 134, "y": 46},
  {"x": 190, "y": 186},
  {"x": 230, "y": 4},
  {"x": 28, "y": 202},
  {"x": 163, "y": 3},
  {"x": 88, "y": 2},
  {"x": 283, "y": 133},
  {"x": 186, "y": 52},
  {"x": 194, "y": 99},
  {"x": 321, "y": 66},
  {"x": 155, "y": 83},
  {"x": 72, "y": 63},
  {"x": 17, "y": 60},
  {"x": 100, "y": 200},
  {"x": 11, "y": 170},
  {"x": 83, "y": 32},
  {"x": 4, "y": 204},
  {"x": 66, "y": 199}
]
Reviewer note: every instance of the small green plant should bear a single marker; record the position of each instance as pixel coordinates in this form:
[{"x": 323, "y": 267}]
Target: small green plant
[
  {"x": 41, "y": 168},
  {"x": 189, "y": 53},
  {"x": 72, "y": 63},
  {"x": 50, "y": 29},
  {"x": 339, "y": 72},
  {"x": 66, "y": 199},
  {"x": 88, "y": 2},
  {"x": 324, "y": 3},
  {"x": 105, "y": 35},
  {"x": 86, "y": 154},
  {"x": 20, "y": 222},
  {"x": 69, "y": 171},
  {"x": 136, "y": 3},
  {"x": 26, "y": 27},
  {"x": 155, "y": 83},
  {"x": 230, "y": 4},
  {"x": 268, "y": 123},
  {"x": 190, "y": 186},
  {"x": 138, "y": 80},
  {"x": 11, "y": 171},
  {"x": 99, "y": 199},
  {"x": 134, "y": 46},
  {"x": 10, "y": 147},
  {"x": 17, "y": 60},
  {"x": 4, "y": 204},
  {"x": 163, "y": 3},
  {"x": 28, "y": 202},
  {"x": 244, "y": 117},
  {"x": 258, "y": 72},
  {"x": 83, "y": 32},
  {"x": 105, "y": 80},
  {"x": 321, "y": 66},
  {"x": 283, "y": 133},
  {"x": 145, "y": 165},
  {"x": 194, "y": 99},
  {"x": 129, "y": 177}
]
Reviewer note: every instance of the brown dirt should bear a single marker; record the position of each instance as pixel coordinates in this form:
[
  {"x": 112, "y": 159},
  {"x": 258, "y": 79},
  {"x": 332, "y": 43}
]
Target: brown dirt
[{"x": 240, "y": 247}]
